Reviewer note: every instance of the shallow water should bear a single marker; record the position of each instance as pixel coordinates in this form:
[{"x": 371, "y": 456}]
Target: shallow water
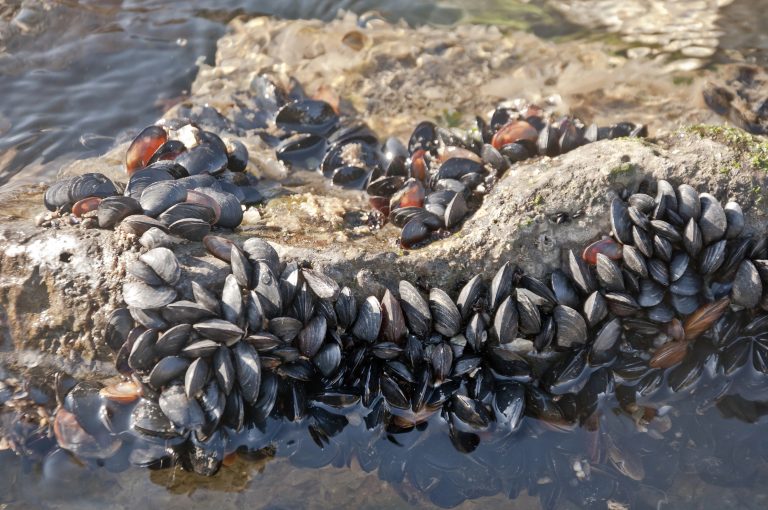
[{"x": 77, "y": 76}]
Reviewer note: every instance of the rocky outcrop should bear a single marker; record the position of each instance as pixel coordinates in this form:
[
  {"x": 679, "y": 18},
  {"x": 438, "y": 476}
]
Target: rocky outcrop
[{"x": 58, "y": 284}]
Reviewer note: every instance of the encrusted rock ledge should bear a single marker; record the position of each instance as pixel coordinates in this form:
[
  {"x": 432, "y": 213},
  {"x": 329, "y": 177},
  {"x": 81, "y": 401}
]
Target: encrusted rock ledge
[{"x": 57, "y": 285}]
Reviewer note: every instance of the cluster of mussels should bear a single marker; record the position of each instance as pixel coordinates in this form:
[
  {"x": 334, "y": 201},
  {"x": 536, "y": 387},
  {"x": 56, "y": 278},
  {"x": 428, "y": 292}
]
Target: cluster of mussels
[
  {"x": 182, "y": 179},
  {"x": 670, "y": 305},
  {"x": 429, "y": 186}
]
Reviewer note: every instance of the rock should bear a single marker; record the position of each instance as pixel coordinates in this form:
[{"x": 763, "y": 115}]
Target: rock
[{"x": 58, "y": 284}]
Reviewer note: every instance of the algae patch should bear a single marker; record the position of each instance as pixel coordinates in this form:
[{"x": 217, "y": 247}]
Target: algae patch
[{"x": 755, "y": 148}]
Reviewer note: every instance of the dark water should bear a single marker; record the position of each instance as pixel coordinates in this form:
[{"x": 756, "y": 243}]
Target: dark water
[{"x": 678, "y": 448}]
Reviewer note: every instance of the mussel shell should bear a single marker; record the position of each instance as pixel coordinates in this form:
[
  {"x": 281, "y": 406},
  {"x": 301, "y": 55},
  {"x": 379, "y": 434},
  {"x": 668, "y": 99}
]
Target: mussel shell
[
  {"x": 192, "y": 229},
  {"x": 119, "y": 325},
  {"x": 143, "y": 272},
  {"x": 183, "y": 412},
  {"x": 350, "y": 176},
  {"x": 143, "y": 354},
  {"x": 322, "y": 286},
  {"x": 713, "y": 222},
  {"x": 223, "y": 369},
  {"x": 747, "y": 286},
  {"x": 159, "y": 196},
  {"x": 307, "y": 116},
  {"x": 200, "y": 349},
  {"x": 328, "y": 359},
  {"x": 91, "y": 185},
  {"x": 346, "y": 308},
  {"x": 231, "y": 212},
  {"x": 164, "y": 263},
  {"x": 166, "y": 370},
  {"x": 143, "y": 147},
  {"x": 141, "y": 179},
  {"x": 445, "y": 314},
  {"x": 232, "y": 308},
  {"x": 456, "y": 210},
  {"x": 155, "y": 237},
  {"x": 187, "y": 210},
  {"x": 57, "y": 194},
  {"x": 237, "y": 155},
  {"x": 258, "y": 249},
  {"x": 248, "y": 368},
  {"x": 385, "y": 186},
  {"x": 219, "y": 330},
  {"x": 369, "y": 318},
  {"x": 187, "y": 312},
  {"x": 414, "y": 232},
  {"x": 144, "y": 296},
  {"x": 138, "y": 224},
  {"x": 302, "y": 151},
  {"x": 173, "y": 340},
  {"x": 112, "y": 210},
  {"x": 148, "y": 418},
  {"x": 621, "y": 224},
  {"x": 571, "y": 327},
  {"x": 424, "y": 136},
  {"x": 595, "y": 309},
  {"x": 267, "y": 288},
  {"x": 506, "y": 321},
  {"x": 205, "y": 158},
  {"x": 735, "y": 220}
]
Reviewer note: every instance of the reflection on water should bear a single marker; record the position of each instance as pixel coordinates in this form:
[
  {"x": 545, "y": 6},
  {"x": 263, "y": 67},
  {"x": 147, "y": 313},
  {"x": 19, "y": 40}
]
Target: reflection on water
[
  {"x": 634, "y": 456},
  {"x": 76, "y": 75}
]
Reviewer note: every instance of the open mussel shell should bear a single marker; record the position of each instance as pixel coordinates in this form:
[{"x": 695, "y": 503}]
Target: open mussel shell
[{"x": 84, "y": 206}]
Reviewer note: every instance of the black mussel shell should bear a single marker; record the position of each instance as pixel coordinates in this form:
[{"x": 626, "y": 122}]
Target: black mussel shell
[
  {"x": 57, "y": 195},
  {"x": 91, "y": 185},
  {"x": 113, "y": 210},
  {"x": 307, "y": 116},
  {"x": 302, "y": 151},
  {"x": 206, "y": 158}
]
